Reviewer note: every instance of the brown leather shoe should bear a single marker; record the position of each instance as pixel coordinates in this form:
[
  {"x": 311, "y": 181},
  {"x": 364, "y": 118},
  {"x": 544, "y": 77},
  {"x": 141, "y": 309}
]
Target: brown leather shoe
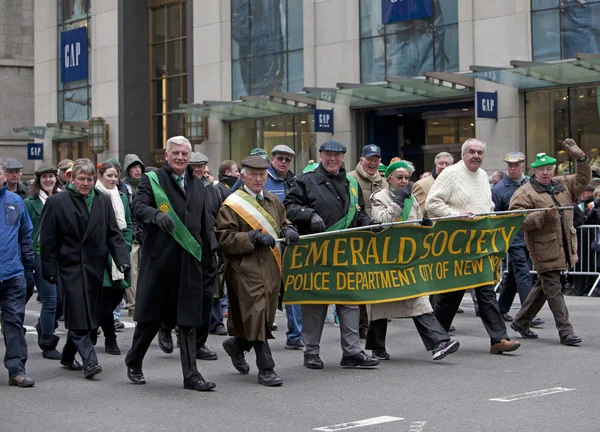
[
  {"x": 21, "y": 381},
  {"x": 504, "y": 346}
]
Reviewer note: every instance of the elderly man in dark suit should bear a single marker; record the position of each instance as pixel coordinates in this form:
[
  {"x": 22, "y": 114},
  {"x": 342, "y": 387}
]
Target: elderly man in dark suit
[{"x": 170, "y": 204}]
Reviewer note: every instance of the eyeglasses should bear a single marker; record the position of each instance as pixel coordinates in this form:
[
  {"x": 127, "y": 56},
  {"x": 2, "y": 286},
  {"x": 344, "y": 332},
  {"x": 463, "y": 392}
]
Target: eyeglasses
[
  {"x": 283, "y": 159},
  {"x": 402, "y": 177}
]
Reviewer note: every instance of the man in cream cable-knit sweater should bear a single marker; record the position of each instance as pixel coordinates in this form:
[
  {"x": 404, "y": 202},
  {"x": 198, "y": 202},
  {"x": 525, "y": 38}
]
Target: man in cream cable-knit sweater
[{"x": 463, "y": 189}]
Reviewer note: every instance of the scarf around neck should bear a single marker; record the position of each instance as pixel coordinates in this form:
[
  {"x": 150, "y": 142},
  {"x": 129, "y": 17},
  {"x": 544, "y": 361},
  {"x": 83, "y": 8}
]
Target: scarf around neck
[
  {"x": 117, "y": 204},
  {"x": 89, "y": 199}
]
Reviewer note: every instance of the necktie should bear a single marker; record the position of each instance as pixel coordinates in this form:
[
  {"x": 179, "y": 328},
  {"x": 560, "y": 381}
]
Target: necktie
[
  {"x": 180, "y": 182},
  {"x": 259, "y": 198}
]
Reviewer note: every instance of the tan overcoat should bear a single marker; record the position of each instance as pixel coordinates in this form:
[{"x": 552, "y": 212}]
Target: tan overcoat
[{"x": 420, "y": 190}]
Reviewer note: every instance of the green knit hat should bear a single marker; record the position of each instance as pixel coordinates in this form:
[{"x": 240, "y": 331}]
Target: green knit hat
[
  {"x": 541, "y": 159},
  {"x": 115, "y": 162},
  {"x": 396, "y": 166},
  {"x": 381, "y": 168}
]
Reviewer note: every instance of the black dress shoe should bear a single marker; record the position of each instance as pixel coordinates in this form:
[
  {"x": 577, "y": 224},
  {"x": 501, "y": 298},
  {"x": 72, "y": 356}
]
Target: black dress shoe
[
  {"x": 523, "y": 331},
  {"x": 92, "y": 370},
  {"x": 506, "y": 317},
  {"x": 73, "y": 365},
  {"x": 380, "y": 354},
  {"x": 135, "y": 376},
  {"x": 237, "y": 356},
  {"x": 313, "y": 361},
  {"x": 21, "y": 381},
  {"x": 359, "y": 360},
  {"x": 200, "y": 385},
  {"x": 203, "y": 353},
  {"x": 51, "y": 354},
  {"x": 269, "y": 378},
  {"x": 570, "y": 339},
  {"x": 219, "y": 330},
  {"x": 459, "y": 311},
  {"x": 112, "y": 348},
  {"x": 165, "y": 341}
]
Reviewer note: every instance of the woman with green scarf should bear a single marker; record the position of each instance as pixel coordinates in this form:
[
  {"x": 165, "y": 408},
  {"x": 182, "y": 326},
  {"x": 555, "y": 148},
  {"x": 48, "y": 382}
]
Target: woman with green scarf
[{"x": 394, "y": 204}]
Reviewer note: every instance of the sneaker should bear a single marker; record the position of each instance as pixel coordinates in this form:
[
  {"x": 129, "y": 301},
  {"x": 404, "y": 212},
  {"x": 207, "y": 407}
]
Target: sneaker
[
  {"x": 313, "y": 361},
  {"x": 294, "y": 344},
  {"x": 537, "y": 321},
  {"x": 506, "y": 317},
  {"x": 380, "y": 354},
  {"x": 359, "y": 360},
  {"x": 442, "y": 349},
  {"x": 119, "y": 325}
]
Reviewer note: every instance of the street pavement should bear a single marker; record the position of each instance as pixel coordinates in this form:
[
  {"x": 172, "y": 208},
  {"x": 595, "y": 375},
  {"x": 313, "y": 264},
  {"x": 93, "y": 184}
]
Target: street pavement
[{"x": 545, "y": 385}]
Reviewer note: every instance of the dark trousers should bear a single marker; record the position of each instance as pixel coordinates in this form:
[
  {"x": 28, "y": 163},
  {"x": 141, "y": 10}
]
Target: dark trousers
[
  {"x": 546, "y": 287},
  {"x": 110, "y": 300},
  {"x": 142, "y": 338},
  {"x": 209, "y": 280},
  {"x": 78, "y": 341},
  {"x": 431, "y": 331},
  {"x": 12, "y": 300},
  {"x": 448, "y": 303},
  {"x": 264, "y": 359},
  {"x": 518, "y": 279},
  {"x": 364, "y": 318}
]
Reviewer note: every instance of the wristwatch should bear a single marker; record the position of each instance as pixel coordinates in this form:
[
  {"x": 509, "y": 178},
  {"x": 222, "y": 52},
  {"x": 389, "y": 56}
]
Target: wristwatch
[{"x": 582, "y": 159}]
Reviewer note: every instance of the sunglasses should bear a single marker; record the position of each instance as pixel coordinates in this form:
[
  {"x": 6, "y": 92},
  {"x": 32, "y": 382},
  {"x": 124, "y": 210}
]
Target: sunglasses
[{"x": 283, "y": 159}]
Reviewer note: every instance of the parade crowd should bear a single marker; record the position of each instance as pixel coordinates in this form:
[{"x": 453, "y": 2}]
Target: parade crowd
[{"x": 179, "y": 250}]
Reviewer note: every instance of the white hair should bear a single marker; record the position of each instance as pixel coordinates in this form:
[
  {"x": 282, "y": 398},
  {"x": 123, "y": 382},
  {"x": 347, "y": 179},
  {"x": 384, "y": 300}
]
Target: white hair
[
  {"x": 441, "y": 155},
  {"x": 178, "y": 140},
  {"x": 470, "y": 141}
]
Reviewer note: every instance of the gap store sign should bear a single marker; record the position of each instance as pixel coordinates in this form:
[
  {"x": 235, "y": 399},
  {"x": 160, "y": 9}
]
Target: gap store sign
[
  {"x": 74, "y": 55},
  {"x": 487, "y": 105},
  {"x": 393, "y": 11}
]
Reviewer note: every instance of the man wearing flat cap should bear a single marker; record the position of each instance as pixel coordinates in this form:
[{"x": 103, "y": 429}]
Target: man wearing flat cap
[
  {"x": 249, "y": 222},
  {"x": 550, "y": 237},
  {"x": 518, "y": 278},
  {"x": 13, "y": 178},
  {"x": 328, "y": 199}
]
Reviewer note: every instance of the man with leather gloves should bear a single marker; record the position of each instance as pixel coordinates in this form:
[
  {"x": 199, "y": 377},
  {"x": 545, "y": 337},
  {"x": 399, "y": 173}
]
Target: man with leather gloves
[
  {"x": 247, "y": 227},
  {"x": 550, "y": 237},
  {"x": 327, "y": 199}
]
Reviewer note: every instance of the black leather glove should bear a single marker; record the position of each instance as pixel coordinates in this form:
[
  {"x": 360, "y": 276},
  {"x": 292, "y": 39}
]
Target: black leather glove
[
  {"x": 377, "y": 229},
  {"x": 401, "y": 196},
  {"x": 291, "y": 235},
  {"x": 124, "y": 267},
  {"x": 52, "y": 280},
  {"x": 426, "y": 221},
  {"x": 164, "y": 222},
  {"x": 260, "y": 239},
  {"x": 317, "y": 224}
]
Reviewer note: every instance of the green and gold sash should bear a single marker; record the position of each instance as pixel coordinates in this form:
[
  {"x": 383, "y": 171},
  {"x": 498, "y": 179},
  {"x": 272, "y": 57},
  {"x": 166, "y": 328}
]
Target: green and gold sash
[
  {"x": 257, "y": 217},
  {"x": 181, "y": 234},
  {"x": 346, "y": 221}
]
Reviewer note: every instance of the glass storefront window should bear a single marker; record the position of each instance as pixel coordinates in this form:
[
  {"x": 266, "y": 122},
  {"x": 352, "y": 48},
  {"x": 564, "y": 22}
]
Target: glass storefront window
[
  {"x": 73, "y": 10},
  {"x": 267, "y": 47},
  {"x": 562, "y": 28},
  {"x": 168, "y": 71},
  {"x": 408, "y": 48},
  {"x": 295, "y": 131}
]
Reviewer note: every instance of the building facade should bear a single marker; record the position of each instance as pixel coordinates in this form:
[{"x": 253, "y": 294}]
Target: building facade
[
  {"x": 16, "y": 78},
  {"x": 414, "y": 77}
]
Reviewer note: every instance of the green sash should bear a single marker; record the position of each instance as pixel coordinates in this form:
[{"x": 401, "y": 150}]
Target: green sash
[
  {"x": 180, "y": 233},
  {"x": 346, "y": 221},
  {"x": 408, "y": 203}
]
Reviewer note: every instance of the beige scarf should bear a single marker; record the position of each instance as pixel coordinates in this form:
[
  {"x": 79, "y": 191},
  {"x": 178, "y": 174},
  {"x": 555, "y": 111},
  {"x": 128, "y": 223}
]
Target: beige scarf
[{"x": 117, "y": 204}]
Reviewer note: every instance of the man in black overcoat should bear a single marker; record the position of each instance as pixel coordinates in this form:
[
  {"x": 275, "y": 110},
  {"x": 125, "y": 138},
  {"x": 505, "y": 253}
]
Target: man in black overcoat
[
  {"x": 78, "y": 230},
  {"x": 170, "y": 288}
]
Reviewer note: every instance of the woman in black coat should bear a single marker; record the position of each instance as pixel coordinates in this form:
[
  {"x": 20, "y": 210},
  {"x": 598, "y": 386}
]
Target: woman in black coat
[{"x": 78, "y": 231}]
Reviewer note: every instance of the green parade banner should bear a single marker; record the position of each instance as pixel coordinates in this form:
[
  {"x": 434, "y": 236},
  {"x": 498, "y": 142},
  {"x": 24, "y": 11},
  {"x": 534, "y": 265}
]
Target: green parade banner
[{"x": 398, "y": 263}]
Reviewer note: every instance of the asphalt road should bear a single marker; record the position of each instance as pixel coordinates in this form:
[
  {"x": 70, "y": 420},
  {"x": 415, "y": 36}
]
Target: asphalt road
[{"x": 549, "y": 386}]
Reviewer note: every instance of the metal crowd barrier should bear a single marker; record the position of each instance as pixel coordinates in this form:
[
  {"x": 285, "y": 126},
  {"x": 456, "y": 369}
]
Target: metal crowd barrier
[{"x": 588, "y": 264}]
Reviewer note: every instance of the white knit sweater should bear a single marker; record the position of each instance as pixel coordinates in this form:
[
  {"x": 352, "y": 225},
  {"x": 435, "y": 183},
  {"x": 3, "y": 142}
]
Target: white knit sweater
[{"x": 458, "y": 190}]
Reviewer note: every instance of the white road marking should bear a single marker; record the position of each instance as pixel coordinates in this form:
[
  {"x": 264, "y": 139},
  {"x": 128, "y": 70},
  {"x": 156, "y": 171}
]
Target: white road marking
[
  {"x": 531, "y": 394},
  {"x": 417, "y": 426},
  {"x": 359, "y": 423}
]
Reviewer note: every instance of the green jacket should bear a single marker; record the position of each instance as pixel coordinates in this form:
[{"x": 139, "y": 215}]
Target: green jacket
[
  {"x": 34, "y": 208},
  {"x": 127, "y": 235}
]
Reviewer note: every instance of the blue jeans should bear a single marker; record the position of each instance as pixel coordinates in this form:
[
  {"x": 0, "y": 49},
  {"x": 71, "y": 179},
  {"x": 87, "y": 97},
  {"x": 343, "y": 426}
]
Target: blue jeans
[
  {"x": 294, "y": 323},
  {"x": 12, "y": 299},
  {"x": 47, "y": 293}
]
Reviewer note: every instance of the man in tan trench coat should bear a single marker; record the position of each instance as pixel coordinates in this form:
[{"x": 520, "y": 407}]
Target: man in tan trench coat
[
  {"x": 550, "y": 237},
  {"x": 249, "y": 222}
]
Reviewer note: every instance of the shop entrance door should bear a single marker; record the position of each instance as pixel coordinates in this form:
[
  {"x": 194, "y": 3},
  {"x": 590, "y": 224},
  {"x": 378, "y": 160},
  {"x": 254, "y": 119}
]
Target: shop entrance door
[{"x": 72, "y": 150}]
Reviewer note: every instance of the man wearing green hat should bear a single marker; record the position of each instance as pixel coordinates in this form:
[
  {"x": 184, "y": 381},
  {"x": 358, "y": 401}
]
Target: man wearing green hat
[{"x": 550, "y": 237}]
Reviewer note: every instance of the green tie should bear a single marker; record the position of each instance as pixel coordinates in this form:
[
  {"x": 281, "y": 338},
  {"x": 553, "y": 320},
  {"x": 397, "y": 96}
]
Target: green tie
[
  {"x": 259, "y": 198},
  {"x": 180, "y": 182}
]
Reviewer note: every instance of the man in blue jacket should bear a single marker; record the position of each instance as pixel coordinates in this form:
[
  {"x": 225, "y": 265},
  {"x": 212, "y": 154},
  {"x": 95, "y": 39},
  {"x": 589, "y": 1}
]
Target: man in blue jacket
[
  {"x": 518, "y": 278},
  {"x": 16, "y": 256}
]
